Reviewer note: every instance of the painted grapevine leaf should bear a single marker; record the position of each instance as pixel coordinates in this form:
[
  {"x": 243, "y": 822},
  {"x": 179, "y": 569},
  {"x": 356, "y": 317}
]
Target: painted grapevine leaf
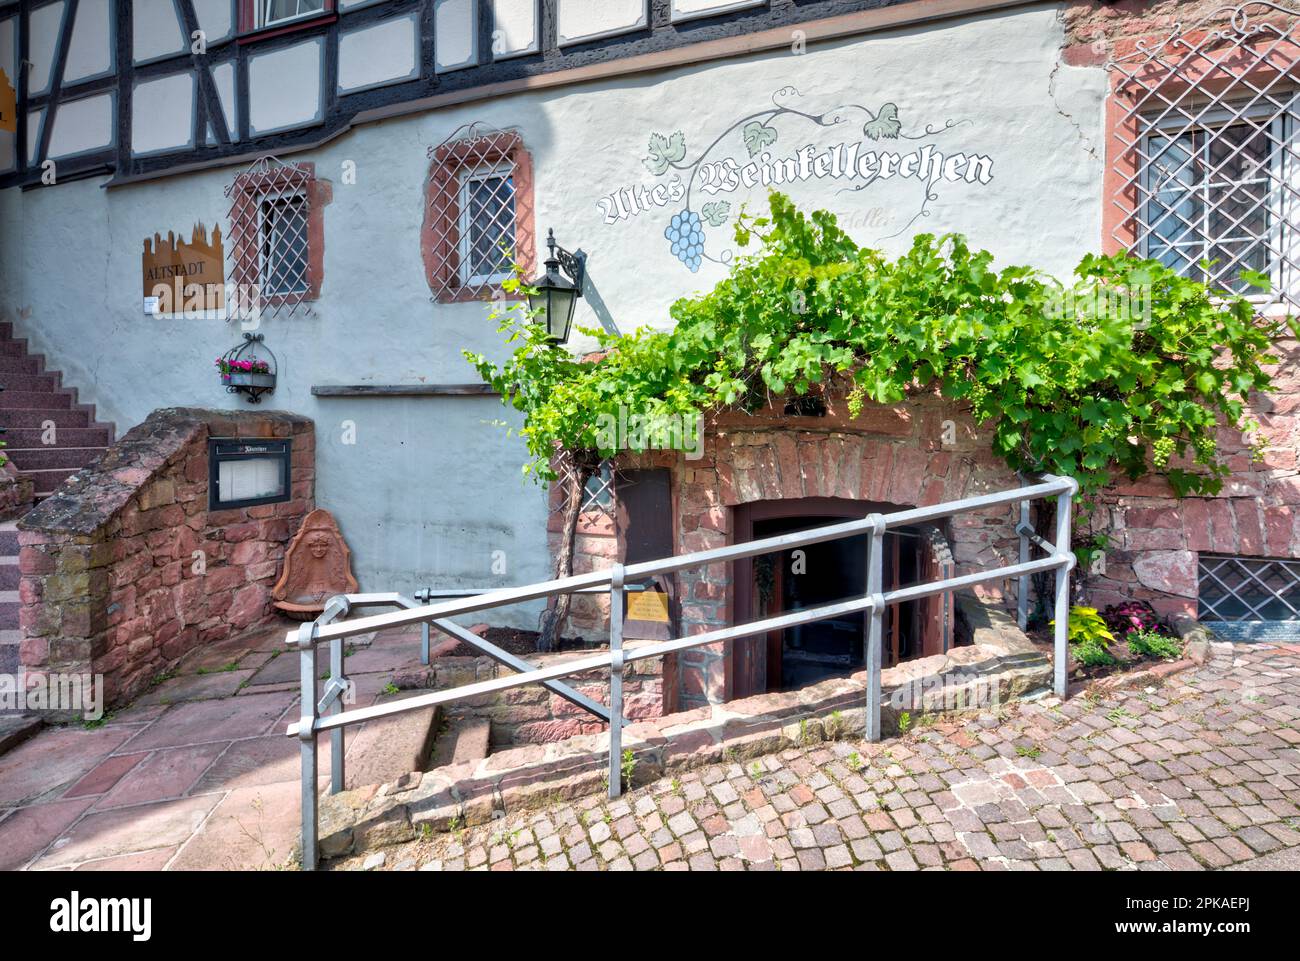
[
  {"x": 757, "y": 136},
  {"x": 885, "y": 124},
  {"x": 665, "y": 151},
  {"x": 715, "y": 214}
]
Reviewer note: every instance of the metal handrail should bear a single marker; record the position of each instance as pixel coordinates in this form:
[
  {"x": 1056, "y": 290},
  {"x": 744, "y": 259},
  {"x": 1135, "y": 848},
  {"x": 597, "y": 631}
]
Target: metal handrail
[{"x": 327, "y": 713}]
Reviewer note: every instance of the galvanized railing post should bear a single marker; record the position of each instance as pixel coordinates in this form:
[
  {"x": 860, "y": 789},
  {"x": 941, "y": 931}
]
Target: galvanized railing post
[
  {"x": 1064, "y": 503},
  {"x": 307, "y": 741},
  {"x": 876, "y": 631},
  {"x": 336, "y": 707},
  {"x": 1022, "y": 590},
  {"x": 616, "y": 681}
]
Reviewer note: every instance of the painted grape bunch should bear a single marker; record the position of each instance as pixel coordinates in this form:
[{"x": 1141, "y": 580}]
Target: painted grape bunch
[{"x": 686, "y": 235}]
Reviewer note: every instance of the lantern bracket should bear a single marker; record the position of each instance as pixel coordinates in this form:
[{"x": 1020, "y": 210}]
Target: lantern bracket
[{"x": 573, "y": 264}]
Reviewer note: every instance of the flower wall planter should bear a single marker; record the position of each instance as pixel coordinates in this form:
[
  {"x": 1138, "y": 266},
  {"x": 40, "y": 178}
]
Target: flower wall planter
[{"x": 242, "y": 372}]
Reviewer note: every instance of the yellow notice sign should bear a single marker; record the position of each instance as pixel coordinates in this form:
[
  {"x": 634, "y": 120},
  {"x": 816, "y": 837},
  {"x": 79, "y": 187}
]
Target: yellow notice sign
[
  {"x": 8, "y": 105},
  {"x": 648, "y": 606}
]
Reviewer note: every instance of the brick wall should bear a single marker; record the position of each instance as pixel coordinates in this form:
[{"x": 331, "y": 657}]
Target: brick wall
[
  {"x": 926, "y": 451},
  {"x": 534, "y": 715},
  {"x": 125, "y": 570},
  {"x": 15, "y": 492}
]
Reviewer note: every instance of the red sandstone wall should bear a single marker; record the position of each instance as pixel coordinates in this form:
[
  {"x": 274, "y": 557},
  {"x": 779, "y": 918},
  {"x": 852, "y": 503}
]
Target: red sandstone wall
[
  {"x": 533, "y": 715},
  {"x": 900, "y": 456},
  {"x": 125, "y": 570}
]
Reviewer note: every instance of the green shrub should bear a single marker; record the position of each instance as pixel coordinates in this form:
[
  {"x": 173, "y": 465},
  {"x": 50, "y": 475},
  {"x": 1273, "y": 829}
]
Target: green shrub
[
  {"x": 1154, "y": 644},
  {"x": 1056, "y": 384},
  {"x": 1090, "y": 638}
]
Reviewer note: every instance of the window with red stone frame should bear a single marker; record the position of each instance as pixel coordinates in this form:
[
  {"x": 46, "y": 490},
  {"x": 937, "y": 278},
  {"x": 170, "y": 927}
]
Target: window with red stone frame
[
  {"x": 276, "y": 242},
  {"x": 259, "y": 19},
  {"x": 478, "y": 217},
  {"x": 1202, "y": 157}
]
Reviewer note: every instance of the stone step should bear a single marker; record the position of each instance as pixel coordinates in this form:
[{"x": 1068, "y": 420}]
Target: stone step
[
  {"x": 37, "y": 383},
  {"x": 13, "y": 348},
  {"x": 19, "y": 438},
  {"x": 47, "y": 481},
  {"x": 33, "y": 400},
  {"x": 36, "y": 418},
  {"x": 29, "y": 459},
  {"x": 9, "y": 539},
  {"x": 19, "y": 364},
  {"x": 16, "y": 729},
  {"x": 9, "y": 574},
  {"x": 384, "y": 749},
  {"x": 473, "y": 740},
  {"x": 461, "y": 739}
]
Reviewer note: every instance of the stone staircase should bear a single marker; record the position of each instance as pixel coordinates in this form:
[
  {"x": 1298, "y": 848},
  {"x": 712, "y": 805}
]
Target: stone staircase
[
  {"x": 34, "y": 401},
  {"x": 48, "y": 437}
]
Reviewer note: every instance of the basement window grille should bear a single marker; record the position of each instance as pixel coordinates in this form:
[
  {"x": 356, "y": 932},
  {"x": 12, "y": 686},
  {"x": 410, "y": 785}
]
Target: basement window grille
[
  {"x": 1205, "y": 153},
  {"x": 1248, "y": 589}
]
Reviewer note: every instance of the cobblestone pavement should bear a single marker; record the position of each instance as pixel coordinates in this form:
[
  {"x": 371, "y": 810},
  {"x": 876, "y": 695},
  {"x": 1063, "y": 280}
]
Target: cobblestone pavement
[{"x": 1202, "y": 772}]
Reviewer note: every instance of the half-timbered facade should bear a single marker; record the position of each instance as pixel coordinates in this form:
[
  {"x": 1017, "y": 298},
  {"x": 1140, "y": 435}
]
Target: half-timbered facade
[{"x": 339, "y": 187}]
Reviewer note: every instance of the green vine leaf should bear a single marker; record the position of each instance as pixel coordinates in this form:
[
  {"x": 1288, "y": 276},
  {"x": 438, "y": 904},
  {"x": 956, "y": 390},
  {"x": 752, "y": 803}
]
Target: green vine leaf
[
  {"x": 758, "y": 136},
  {"x": 1123, "y": 370},
  {"x": 665, "y": 151},
  {"x": 885, "y": 124},
  {"x": 715, "y": 214}
]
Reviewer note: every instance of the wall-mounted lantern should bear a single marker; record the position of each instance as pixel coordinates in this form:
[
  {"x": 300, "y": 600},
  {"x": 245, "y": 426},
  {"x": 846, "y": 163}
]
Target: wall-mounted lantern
[{"x": 558, "y": 290}]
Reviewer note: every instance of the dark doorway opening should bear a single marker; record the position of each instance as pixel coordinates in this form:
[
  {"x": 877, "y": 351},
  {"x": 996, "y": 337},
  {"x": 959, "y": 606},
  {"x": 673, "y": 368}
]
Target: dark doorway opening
[{"x": 816, "y": 575}]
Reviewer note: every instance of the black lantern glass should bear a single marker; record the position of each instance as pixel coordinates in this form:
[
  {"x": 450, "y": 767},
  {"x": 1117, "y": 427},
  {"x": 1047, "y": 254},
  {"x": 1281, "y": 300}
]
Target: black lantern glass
[{"x": 556, "y": 294}]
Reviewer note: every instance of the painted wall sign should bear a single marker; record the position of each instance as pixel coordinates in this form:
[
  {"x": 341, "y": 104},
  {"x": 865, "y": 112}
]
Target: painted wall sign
[
  {"x": 849, "y": 146},
  {"x": 180, "y": 277},
  {"x": 8, "y": 105}
]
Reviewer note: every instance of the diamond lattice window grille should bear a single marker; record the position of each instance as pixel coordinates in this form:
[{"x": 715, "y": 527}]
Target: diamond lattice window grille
[
  {"x": 1248, "y": 589},
  {"x": 479, "y": 213},
  {"x": 1204, "y": 157},
  {"x": 597, "y": 494},
  {"x": 270, "y": 238}
]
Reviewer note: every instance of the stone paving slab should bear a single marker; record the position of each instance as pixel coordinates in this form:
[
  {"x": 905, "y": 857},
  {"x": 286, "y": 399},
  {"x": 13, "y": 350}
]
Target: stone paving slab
[
  {"x": 163, "y": 774},
  {"x": 1200, "y": 772},
  {"x": 196, "y": 687},
  {"x": 254, "y": 761},
  {"x": 54, "y": 759},
  {"x": 155, "y": 860},
  {"x": 25, "y": 833},
  {"x": 218, "y": 720},
  {"x": 127, "y": 830},
  {"x": 250, "y": 829},
  {"x": 170, "y": 782}
]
